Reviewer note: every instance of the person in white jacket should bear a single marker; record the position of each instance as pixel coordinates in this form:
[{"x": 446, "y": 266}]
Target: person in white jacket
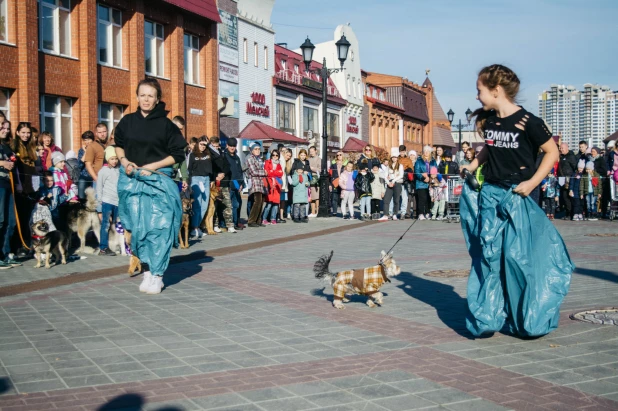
[{"x": 394, "y": 180}]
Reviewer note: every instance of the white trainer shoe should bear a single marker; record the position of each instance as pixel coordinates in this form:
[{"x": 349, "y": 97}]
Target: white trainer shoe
[
  {"x": 156, "y": 285},
  {"x": 143, "y": 287},
  {"x": 395, "y": 217},
  {"x": 231, "y": 230},
  {"x": 217, "y": 229}
]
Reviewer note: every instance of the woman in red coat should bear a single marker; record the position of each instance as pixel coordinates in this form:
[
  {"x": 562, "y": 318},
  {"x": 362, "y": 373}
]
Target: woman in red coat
[
  {"x": 274, "y": 171},
  {"x": 47, "y": 141}
]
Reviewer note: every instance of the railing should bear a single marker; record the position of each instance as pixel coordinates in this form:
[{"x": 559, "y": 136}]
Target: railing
[{"x": 296, "y": 78}]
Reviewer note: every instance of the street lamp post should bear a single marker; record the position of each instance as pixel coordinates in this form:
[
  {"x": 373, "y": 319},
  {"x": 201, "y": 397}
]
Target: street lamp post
[
  {"x": 343, "y": 45},
  {"x": 451, "y": 116}
]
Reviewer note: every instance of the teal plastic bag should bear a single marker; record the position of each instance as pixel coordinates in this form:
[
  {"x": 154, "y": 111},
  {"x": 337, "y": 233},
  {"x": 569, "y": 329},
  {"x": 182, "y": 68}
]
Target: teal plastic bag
[
  {"x": 521, "y": 269},
  {"x": 150, "y": 208}
]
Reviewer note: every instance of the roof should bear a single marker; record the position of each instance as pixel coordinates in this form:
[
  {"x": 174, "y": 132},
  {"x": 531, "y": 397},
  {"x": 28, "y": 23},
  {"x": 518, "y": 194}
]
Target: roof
[
  {"x": 442, "y": 137},
  {"x": 611, "y": 137},
  {"x": 204, "y": 8},
  {"x": 415, "y": 104},
  {"x": 353, "y": 145},
  {"x": 427, "y": 82},
  {"x": 385, "y": 104},
  {"x": 256, "y": 130},
  {"x": 438, "y": 112}
]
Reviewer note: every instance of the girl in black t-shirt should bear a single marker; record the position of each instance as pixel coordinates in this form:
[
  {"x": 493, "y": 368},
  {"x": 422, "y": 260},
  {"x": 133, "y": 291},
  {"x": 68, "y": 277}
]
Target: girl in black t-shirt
[{"x": 509, "y": 280}]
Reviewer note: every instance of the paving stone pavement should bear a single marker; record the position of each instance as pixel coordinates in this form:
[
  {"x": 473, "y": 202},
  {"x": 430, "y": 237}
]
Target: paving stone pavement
[{"x": 255, "y": 331}]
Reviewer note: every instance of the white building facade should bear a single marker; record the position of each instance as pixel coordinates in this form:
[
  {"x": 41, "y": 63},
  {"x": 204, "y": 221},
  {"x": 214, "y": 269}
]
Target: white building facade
[
  {"x": 349, "y": 82},
  {"x": 590, "y": 115},
  {"x": 256, "y": 44}
]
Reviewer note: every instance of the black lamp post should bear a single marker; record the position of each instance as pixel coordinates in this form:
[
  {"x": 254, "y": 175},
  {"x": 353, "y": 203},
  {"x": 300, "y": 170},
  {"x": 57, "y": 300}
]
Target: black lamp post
[
  {"x": 343, "y": 45},
  {"x": 451, "y": 116}
]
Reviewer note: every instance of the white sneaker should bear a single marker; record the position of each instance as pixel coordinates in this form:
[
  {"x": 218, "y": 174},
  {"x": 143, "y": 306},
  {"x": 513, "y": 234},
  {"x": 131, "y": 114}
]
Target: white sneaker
[
  {"x": 143, "y": 287},
  {"x": 440, "y": 218},
  {"x": 156, "y": 284},
  {"x": 383, "y": 218},
  {"x": 395, "y": 217},
  {"x": 312, "y": 215},
  {"x": 289, "y": 217},
  {"x": 217, "y": 229},
  {"x": 201, "y": 233},
  {"x": 231, "y": 230},
  {"x": 421, "y": 217}
]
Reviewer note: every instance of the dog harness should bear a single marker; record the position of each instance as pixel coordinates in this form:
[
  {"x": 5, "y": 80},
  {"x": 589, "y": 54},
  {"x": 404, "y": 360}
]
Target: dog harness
[{"x": 364, "y": 281}]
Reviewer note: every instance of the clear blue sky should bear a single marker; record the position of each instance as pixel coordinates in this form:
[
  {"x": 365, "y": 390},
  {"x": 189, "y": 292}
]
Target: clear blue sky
[{"x": 543, "y": 41}]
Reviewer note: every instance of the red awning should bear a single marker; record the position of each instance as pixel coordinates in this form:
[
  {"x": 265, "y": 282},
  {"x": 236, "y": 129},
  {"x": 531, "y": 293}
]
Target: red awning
[
  {"x": 256, "y": 130},
  {"x": 204, "y": 8},
  {"x": 354, "y": 145}
]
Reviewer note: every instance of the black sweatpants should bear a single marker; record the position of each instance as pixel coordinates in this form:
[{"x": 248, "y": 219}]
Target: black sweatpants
[{"x": 422, "y": 196}]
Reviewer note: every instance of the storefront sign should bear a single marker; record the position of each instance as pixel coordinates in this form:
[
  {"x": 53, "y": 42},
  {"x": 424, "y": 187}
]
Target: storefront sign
[
  {"x": 228, "y": 73},
  {"x": 228, "y": 30},
  {"x": 307, "y": 82},
  {"x": 228, "y": 55},
  {"x": 196, "y": 111},
  {"x": 258, "y": 106},
  {"x": 352, "y": 127}
]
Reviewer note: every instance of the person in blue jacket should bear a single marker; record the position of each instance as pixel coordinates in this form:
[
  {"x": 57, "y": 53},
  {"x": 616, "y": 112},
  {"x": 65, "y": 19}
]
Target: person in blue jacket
[
  {"x": 421, "y": 176},
  {"x": 520, "y": 269},
  {"x": 148, "y": 144}
]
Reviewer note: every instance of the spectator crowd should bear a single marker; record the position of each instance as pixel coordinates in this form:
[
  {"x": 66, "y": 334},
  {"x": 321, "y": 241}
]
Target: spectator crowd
[{"x": 279, "y": 185}]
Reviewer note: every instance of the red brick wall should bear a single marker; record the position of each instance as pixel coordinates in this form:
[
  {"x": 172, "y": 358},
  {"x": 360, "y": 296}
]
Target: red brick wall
[
  {"x": 115, "y": 86},
  {"x": 196, "y": 124},
  {"x": 9, "y": 75},
  {"x": 60, "y": 76}
]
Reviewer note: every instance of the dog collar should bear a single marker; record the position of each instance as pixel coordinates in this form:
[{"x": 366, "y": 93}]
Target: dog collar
[{"x": 37, "y": 237}]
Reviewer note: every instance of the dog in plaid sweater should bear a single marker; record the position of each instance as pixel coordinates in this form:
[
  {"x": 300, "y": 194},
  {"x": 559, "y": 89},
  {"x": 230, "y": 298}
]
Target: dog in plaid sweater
[{"x": 364, "y": 281}]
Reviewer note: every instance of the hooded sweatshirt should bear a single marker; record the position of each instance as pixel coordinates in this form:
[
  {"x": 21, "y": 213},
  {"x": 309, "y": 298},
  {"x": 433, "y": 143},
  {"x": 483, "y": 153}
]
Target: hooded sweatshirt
[{"x": 149, "y": 139}]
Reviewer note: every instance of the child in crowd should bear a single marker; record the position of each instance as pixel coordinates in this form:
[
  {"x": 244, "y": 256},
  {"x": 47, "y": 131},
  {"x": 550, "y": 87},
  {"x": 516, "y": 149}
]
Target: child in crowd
[
  {"x": 550, "y": 194},
  {"x": 575, "y": 192},
  {"x": 300, "y": 182},
  {"x": 107, "y": 195},
  {"x": 61, "y": 178},
  {"x": 49, "y": 197},
  {"x": 346, "y": 182},
  {"x": 591, "y": 187},
  {"x": 437, "y": 192},
  {"x": 363, "y": 188},
  {"x": 378, "y": 189}
]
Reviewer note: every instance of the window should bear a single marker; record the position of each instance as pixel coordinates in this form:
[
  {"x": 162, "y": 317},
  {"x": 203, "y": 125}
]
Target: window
[
  {"x": 283, "y": 64},
  {"x": 296, "y": 68},
  {"x": 3, "y": 22},
  {"x": 244, "y": 50},
  {"x": 332, "y": 125},
  {"x": 265, "y": 58},
  {"x": 285, "y": 116},
  {"x": 255, "y": 54},
  {"x": 4, "y": 102},
  {"x": 110, "y": 114},
  {"x": 310, "y": 120},
  {"x": 153, "y": 48},
  {"x": 55, "y": 26},
  {"x": 192, "y": 59},
  {"x": 110, "y": 36},
  {"x": 56, "y": 118}
]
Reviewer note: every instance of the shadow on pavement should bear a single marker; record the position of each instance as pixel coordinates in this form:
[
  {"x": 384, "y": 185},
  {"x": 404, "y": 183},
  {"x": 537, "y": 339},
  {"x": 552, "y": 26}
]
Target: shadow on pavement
[
  {"x": 599, "y": 274},
  {"x": 5, "y": 385},
  {"x": 185, "y": 270},
  {"x": 131, "y": 402},
  {"x": 450, "y": 306}
]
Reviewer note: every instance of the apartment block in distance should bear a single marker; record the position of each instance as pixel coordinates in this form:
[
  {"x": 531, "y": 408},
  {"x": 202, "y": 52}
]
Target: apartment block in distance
[
  {"x": 69, "y": 64},
  {"x": 575, "y": 115}
]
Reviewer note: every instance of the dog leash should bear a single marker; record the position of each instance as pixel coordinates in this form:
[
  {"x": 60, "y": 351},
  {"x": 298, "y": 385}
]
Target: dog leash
[{"x": 397, "y": 242}]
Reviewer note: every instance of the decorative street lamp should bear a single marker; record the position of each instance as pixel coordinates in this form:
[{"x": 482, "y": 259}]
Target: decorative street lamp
[
  {"x": 451, "y": 116},
  {"x": 343, "y": 46}
]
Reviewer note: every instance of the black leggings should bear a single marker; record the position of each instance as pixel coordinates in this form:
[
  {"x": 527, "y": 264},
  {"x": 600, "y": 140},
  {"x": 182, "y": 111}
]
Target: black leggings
[
  {"x": 422, "y": 196},
  {"x": 393, "y": 193},
  {"x": 375, "y": 206}
]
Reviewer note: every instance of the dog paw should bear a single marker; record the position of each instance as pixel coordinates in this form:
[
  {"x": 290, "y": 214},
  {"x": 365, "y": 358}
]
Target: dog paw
[
  {"x": 37, "y": 266},
  {"x": 338, "y": 304},
  {"x": 371, "y": 304},
  {"x": 47, "y": 266},
  {"x": 346, "y": 300}
]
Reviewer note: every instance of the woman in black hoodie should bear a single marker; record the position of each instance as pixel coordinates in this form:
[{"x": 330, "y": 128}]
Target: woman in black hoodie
[{"x": 148, "y": 144}]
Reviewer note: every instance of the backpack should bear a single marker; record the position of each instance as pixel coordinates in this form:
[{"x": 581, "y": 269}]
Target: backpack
[{"x": 74, "y": 170}]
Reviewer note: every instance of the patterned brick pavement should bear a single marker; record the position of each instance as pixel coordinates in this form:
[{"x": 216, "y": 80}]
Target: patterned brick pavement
[{"x": 254, "y": 331}]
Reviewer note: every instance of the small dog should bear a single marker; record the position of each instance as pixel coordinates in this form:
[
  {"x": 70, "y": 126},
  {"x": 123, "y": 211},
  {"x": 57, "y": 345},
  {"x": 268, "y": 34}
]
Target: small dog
[
  {"x": 83, "y": 218},
  {"x": 116, "y": 241},
  {"x": 187, "y": 212},
  {"x": 44, "y": 241},
  {"x": 208, "y": 220},
  {"x": 364, "y": 281},
  {"x": 135, "y": 265}
]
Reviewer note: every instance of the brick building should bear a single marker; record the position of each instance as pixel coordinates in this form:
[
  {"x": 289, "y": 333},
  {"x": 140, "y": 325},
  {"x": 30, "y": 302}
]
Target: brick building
[{"x": 68, "y": 64}]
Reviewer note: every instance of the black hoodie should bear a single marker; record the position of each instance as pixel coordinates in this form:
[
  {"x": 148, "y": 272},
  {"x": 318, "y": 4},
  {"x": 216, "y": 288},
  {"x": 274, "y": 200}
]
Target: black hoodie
[{"x": 150, "y": 139}]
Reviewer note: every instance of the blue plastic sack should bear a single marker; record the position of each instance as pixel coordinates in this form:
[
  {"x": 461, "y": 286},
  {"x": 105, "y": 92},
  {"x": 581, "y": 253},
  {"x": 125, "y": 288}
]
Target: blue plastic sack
[
  {"x": 150, "y": 208},
  {"x": 521, "y": 269}
]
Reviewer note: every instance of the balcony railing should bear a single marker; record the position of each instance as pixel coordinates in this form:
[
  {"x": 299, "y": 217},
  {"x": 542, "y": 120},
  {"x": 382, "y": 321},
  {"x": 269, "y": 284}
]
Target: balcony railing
[{"x": 290, "y": 76}]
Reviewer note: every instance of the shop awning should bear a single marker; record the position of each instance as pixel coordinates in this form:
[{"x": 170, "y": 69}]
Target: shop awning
[
  {"x": 354, "y": 145},
  {"x": 611, "y": 137},
  {"x": 256, "y": 130},
  {"x": 204, "y": 8}
]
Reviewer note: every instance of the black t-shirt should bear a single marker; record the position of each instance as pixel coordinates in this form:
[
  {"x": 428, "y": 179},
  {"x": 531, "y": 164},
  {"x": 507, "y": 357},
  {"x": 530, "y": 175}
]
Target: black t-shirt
[
  {"x": 5, "y": 155},
  {"x": 513, "y": 150}
]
